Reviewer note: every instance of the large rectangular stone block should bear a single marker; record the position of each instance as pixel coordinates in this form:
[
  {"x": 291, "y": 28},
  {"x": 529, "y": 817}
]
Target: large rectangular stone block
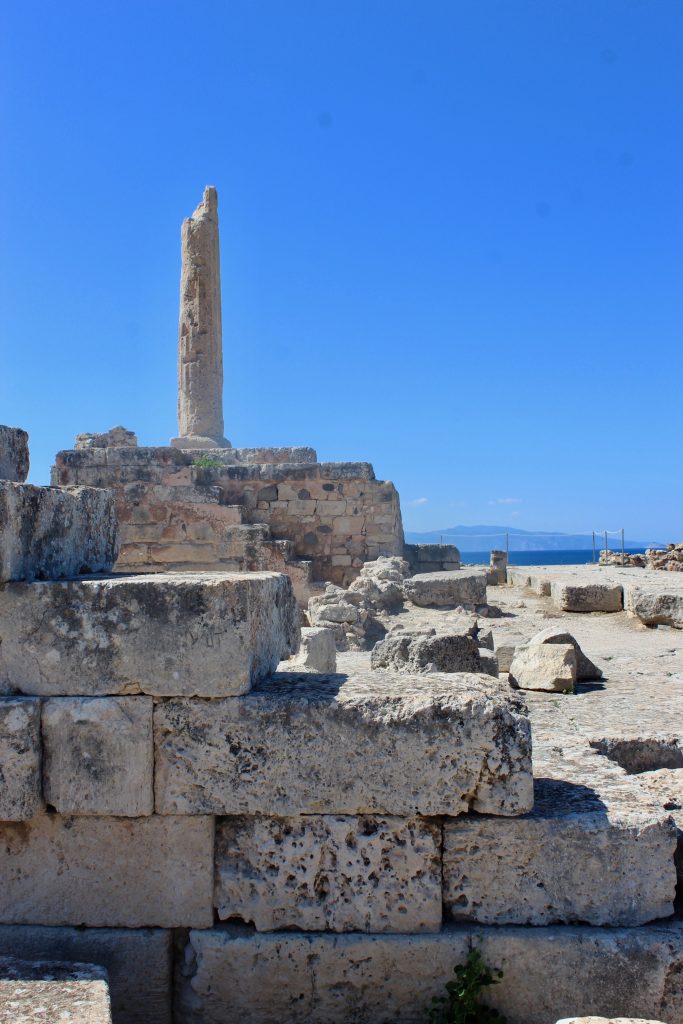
[
  {"x": 107, "y": 872},
  {"x": 330, "y": 873},
  {"x": 137, "y": 961},
  {"x": 47, "y": 532},
  {"x": 36, "y": 992},
  {"x": 443, "y": 589},
  {"x": 165, "y": 634},
  {"x": 20, "y": 789},
  {"x": 587, "y": 597},
  {"x": 234, "y": 976},
  {"x": 372, "y": 743},
  {"x": 655, "y": 605},
  {"x": 572, "y": 859},
  {"x": 14, "y": 459},
  {"x": 99, "y": 755}
]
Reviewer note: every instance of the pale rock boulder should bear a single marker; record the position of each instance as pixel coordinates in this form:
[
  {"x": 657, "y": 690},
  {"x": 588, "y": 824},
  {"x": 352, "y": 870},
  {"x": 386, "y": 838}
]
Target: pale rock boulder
[
  {"x": 544, "y": 667},
  {"x": 14, "y": 457},
  {"x": 381, "y": 582},
  {"x": 117, "y": 437},
  {"x": 20, "y": 782},
  {"x": 50, "y": 532},
  {"x": 370, "y": 743},
  {"x": 606, "y": 1020},
  {"x": 166, "y": 634},
  {"x": 99, "y": 757},
  {"x": 107, "y": 872},
  {"x": 38, "y": 992},
  {"x": 505, "y": 654},
  {"x": 587, "y": 597},
  {"x": 330, "y": 873},
  {"x": 655, "y": 607},
  {"x": 317, "y": 653},
  {"x": 443, "y": 589},
  {"x": 586, "y": 670},
  {"x": 444, "y": 652}
]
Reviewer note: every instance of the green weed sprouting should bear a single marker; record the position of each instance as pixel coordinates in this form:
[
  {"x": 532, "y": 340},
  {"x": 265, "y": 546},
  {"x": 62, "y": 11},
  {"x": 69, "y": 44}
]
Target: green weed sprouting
[
  {"x": 461, "y": 1005},
  {"x": 206, "y": 462}
]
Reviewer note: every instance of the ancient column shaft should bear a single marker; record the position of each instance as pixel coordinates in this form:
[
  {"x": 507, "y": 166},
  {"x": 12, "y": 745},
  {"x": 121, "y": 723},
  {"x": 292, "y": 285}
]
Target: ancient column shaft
[{"x": 200, "y": 340}]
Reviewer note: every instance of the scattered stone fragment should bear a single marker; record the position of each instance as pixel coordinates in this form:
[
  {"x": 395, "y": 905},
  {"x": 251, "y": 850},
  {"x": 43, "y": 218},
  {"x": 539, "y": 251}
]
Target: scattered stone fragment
[
  {"x": 586, "y": 670},
  {"x": 14, "y": 457},
  {"x": 325, "y": 873},
  {"x": 20, "y": 786},
  {"x": 117, "y": 437},
  {"x": 587, "y": 597},
  {"x": 655, "y": 607},
  {"x": 381, "y": 583},
  {"x": 505, "y": 654},
  {"x": 544, "y": 667},
  {"x": 445, "y": 652},
  {"x": 441, "y": 589},
  {"x": 53, "y": 993},
  {"x": 317, "y": 651}
]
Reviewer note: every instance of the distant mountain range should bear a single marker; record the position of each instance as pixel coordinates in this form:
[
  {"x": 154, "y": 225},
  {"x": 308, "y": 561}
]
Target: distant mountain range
[{"x": 483, "y": 538}]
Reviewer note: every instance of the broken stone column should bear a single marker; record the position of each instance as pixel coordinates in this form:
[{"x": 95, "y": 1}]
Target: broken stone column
[{"x": 200, "y": 336}]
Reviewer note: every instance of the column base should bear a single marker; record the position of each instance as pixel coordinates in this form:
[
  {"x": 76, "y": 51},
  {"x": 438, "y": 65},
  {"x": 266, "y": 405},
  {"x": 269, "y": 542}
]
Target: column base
[{"x": 194, "y": 442}]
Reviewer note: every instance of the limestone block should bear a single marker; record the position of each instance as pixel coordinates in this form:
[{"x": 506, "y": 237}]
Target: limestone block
[
  {"x": 440, "y": 589},
  {"x": 234, "y": 976},
  {"x": 572, "y": 859},
  {"x": 107, "y": 872},
  {"x": 14, "y": 458},
  {"x": 325, "y": 873},
  {"x": 99, "y": 757},
  {"x": 317, "y": 652},
  {"x": 587, "y": 597},
  {"x": 585, "y": 669},
  {"x": 505, "y": 654},
  {"x": 47, "y": 532},
  {"x": 20, "y": 789},
  {"x": 117, "y": 437},
  {"x": 370, "y": 743},
  {"x": 655, "y": 607},
  {"x": 544, "y": 667},
  {"x": 165, "y": 634},
  {"x": 38, "y": 992},
  {"x": 606, "y": 1020},
  {"x": 489, "y": 662},
  {"x": 445, "y": 652},
  {"x": 137, "y": 961}
]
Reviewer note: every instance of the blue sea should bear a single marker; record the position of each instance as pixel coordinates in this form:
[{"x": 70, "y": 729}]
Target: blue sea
[{"x": 582, "y": 557}]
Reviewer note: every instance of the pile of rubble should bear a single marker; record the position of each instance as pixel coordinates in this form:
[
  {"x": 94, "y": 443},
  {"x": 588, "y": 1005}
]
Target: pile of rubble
[{"x": 670, "y": 558}]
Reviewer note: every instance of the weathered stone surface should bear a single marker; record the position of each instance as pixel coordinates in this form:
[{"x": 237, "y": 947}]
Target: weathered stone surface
[
  {"x": 47, "y": 532},
  {"x": 544, "y": 667},
  {"x": 231, "y": 975},
  {"x": 14, "y": 458},
  {"x": 371, "y": 743},
  {"x": 655, "y": 607},
  {"x": 317, "y": 652},
  {"x": 107, "y": 872},
  {"x": 606, "y": 1020},
  {"x": 117, "y": 437},
  {"x": 53, "y": 993},
  {"x": 99, "y": 756},
  {"x": 489, "y": 662},
  {"x": 330, "y": 873},
  {"x": 572, "y": 859},
  {"x": 204, "y": 634},
  {"x": 586, "y": 670},
  {"x": 462, "y": 587},
  {"x": 138, "y": 962},
  {"x": 200, "y": 332},
  {"x": 20, "y": 788},
  {"x": 587, "y": 597},
  {"x": 445, "y": 652}
]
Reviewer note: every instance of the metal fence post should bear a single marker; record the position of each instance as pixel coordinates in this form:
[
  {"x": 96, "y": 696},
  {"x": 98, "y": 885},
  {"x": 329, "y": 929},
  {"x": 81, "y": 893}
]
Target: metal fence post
[
  {"x": 623, "y": 558},
  {"x": 594, "y": 558}
]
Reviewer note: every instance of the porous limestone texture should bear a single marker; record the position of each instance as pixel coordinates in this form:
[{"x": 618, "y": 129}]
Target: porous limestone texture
[
  {"x": 317, "y": 652},
  {"x": 137, "y": 961},
  {"x": 572, "y": 859},
  {"x": 107, "y": 872},
  {"x": 440, "y": 653},
  {"x": 358, "y": 744},
  {"x": 606, "y": 1020},
  {"x": 117, "y": 437},
  {"x": 20, "y": 785},
  {"x": 200, "y": 332},
  {"x": 48, "y": 532},
  {"x": 655, "y": 607},
  {"x": 544, "y": 667},
  {"x": 441, "y": 589},
  {"x": 198, "y": 634},
  {"x": 330, "y": 873},
  {"x": 233, "y": 976},
  {"x": 40, "y": 992},
  {"x": 586, "y": 671},
  {"x": 14, "y": 458},
  {"x": 99, "y": 757},
  {"x": 587, "y": 597}
]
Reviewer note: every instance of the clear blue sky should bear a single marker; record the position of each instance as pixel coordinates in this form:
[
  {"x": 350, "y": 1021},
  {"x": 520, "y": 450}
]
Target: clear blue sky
[{"x": 451, "y": 239}]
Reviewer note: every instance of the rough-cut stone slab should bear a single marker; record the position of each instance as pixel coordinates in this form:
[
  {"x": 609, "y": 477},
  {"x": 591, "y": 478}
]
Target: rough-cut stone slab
[
  {"x": 138, "y": 962},
  {"x": 206, "y": 634},
  {"x": 125, "y": 872},
  {"x": 544, "y": 667},
  {"x": 330, "y": 873},
  {"x": 585, "y": 669},
  {"x": 587, "y": 597},
  {"x": 372, "y": 743},
  {"x": 317, "y": 652},
  {"x": 655, "y": 607},
  {"x": 39, "y": 992},
  {"x": 606, "y": 1020},
  {"x": 48, "y": 532},
  {"x": 14, "y": 458},
  {"x": 445, "y": 652},
  {"x": 571, "y": 860},
  {"x": 234, "y": 976},
  {"x": 99, "y": 755},
  {"x": 442, "y": 589},
  {"x": 117, "y": 437},
  {"x": 20, "y": 789}
]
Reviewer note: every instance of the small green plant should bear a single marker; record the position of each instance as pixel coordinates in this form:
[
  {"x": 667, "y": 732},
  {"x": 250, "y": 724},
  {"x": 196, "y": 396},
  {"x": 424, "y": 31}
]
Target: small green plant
[
  {"x": 206, "y": 462},
  {"x": 461, "y": 1005}
]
